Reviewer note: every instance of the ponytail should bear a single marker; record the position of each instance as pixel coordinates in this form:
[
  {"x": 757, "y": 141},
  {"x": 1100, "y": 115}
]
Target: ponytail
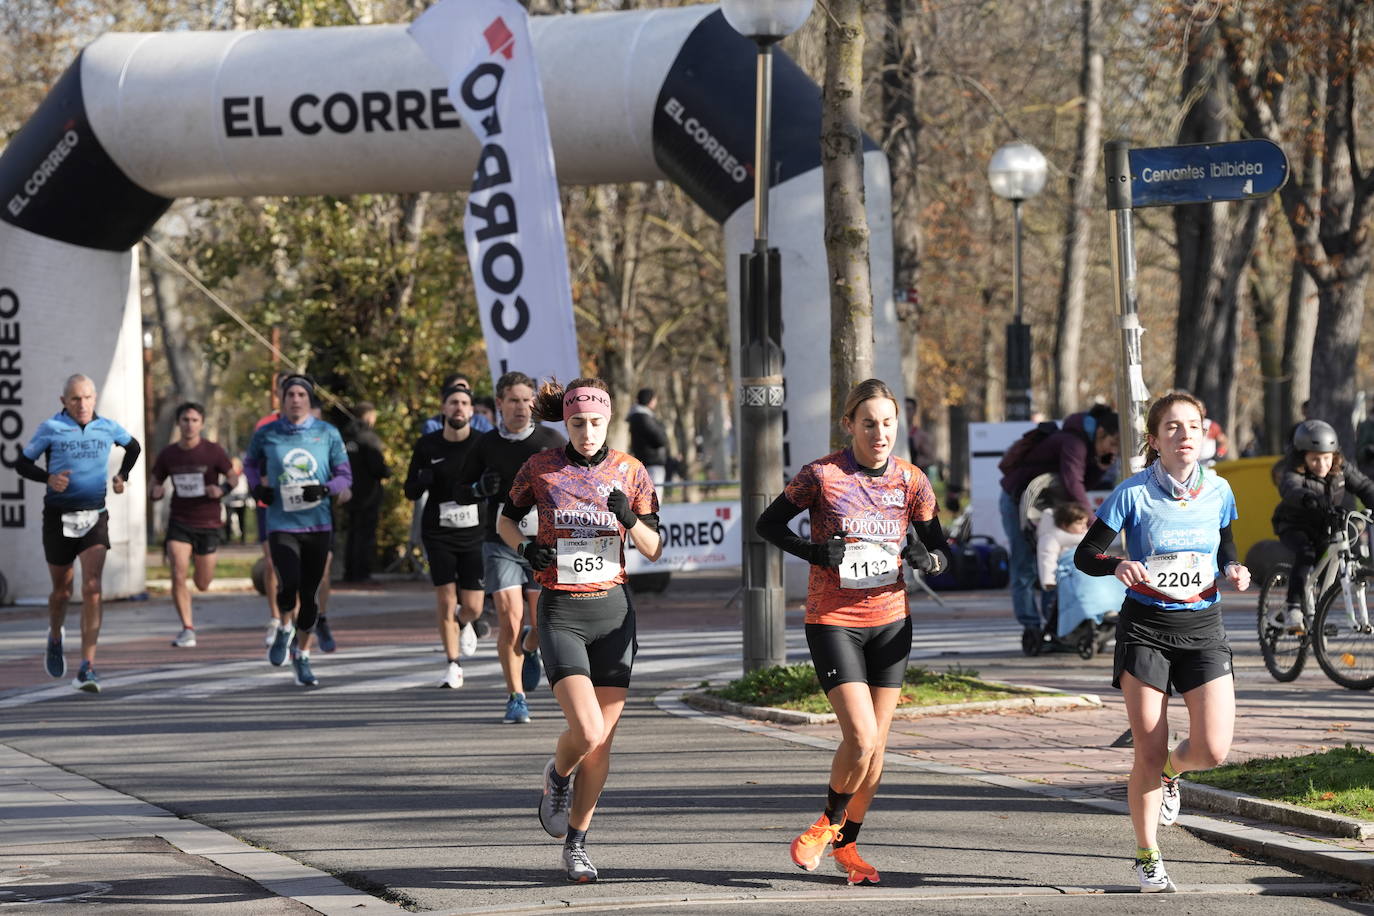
[{"x": 548, "y": 401}]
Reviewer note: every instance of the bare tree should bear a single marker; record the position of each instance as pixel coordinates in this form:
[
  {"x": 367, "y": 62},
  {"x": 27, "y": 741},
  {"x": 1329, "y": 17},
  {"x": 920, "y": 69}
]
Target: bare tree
[
  {"x": 846, "y": 221},
  {"x": 901, "y": 127}
]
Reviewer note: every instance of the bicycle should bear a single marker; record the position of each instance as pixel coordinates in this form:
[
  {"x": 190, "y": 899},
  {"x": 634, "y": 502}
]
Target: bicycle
[{"x": 1335, "y": 622}]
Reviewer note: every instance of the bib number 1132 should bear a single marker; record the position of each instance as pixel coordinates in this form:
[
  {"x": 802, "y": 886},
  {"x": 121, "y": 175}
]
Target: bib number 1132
[{"x": 867, "y": 564}]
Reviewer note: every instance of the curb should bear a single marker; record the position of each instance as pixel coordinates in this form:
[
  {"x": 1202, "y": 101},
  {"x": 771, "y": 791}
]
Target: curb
[
  {"x": 1224, "y": 801},
  {"x": 707, "y": 701}
]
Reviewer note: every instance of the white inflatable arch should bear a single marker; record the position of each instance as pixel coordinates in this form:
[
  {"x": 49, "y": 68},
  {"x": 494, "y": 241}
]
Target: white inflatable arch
[{"x": 141, "y": 119}]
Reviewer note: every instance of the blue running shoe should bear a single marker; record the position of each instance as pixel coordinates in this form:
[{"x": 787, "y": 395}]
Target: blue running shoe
[
  {"x": 54, "y": 660},
  {"x": 517, "y": 710},
  {"x": 529, "y": 671},
  {"x": 276, "y": 656},
  {"x": 86, "y": 679},
  {"x": 324, "y": 635},
  {"x": 300, "y": 663}
]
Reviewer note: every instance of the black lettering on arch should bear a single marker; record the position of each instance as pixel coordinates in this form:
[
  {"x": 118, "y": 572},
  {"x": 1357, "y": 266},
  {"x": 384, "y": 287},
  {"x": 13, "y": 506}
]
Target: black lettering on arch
[
  {"x": 350, "y": 107},
  {"x": 376, "y": 110},
  {"x": 410, "y": 106},
  {"x": 297, "y": 122}
]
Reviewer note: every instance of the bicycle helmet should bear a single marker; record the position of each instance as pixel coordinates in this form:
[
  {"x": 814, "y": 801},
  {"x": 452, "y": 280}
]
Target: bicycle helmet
[{"x": 1315, "y": 436}]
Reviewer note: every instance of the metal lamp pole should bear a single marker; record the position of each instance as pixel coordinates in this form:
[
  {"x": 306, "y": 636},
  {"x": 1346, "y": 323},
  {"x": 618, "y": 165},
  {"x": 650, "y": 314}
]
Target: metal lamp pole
[
  {"x": 1017, "y": 172},
  {"x": 761, "y": 383}
]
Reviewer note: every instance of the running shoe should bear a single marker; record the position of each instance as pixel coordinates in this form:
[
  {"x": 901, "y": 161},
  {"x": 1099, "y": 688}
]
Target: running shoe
[
  {"x": 300, "y": 663},
  {"x": 454, "y": 677},
  {"x": 276, "y": 656},
  {"x": 1153, "y": 878},
  {"x": 186, "y": 639},
  {"x": 529, "y": 672},
  {"x": 86, "y": 679},
  {"x": 53, "y": 660},
  {"x": 517, "y": 710},
  {"x": 272, "y": 627},
  {"x": 555, "y": 804},
  {"x": 808, "y": 848},
  {"x": 848, "y": 860},
  {"x": 481, "y": 628},
  {"x": 324, "y": 635},
  {"x": 467, "y": 640},
  {"x": 577, "y": 865},
  {"x": 1168, "y": 805}
]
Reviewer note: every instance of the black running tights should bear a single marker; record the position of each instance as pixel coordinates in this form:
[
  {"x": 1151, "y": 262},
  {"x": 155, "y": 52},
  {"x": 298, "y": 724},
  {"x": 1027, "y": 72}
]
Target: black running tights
[{"x": 299, "y": 558}]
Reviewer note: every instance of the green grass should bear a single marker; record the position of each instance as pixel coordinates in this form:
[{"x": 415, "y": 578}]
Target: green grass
[
  {"x": 1340, "y": 780},
  {"x": 796, "y": 687},
  {"x": 227, "y": 566}
]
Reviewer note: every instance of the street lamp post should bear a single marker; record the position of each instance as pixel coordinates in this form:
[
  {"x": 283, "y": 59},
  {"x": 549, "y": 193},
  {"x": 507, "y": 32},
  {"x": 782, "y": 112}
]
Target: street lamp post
[
  {"x": 1017, "y": 172},
  {"x": 761, "y": 387}
]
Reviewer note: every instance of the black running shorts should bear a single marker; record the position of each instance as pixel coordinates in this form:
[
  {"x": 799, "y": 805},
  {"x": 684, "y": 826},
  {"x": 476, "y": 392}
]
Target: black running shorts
[
  {"x": 1172, "y": 651},
  {"x": 60, "y": 550},
  {"x": 875, "y": 656},
  {"x": 587, "y": 633},
  {"x": 450, "y": 563},
  {"x": 203, "y": 541}
]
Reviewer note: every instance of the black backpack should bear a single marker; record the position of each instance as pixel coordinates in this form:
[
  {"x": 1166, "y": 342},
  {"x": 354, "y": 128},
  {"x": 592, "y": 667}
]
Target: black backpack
[{"x": 1023, "y": 446}]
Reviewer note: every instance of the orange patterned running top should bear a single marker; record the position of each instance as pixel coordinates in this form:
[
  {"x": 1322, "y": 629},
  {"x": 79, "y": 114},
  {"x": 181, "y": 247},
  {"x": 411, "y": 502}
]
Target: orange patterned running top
[
  {"x": 844, "y": 500},
  {"x": 573, "y": 518}
]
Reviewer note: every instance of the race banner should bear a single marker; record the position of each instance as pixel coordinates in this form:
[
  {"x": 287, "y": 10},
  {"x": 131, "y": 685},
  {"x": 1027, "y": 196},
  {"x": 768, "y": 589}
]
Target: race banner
[
  {"x": 514, "y": 221},
  {"x": 695, "y": 536}
]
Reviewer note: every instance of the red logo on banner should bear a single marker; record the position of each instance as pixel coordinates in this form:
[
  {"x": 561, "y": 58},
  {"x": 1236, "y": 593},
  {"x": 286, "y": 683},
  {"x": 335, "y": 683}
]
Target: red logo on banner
[
  {"x": 723, "y": 512},
  {"x": 500, "y": 39}
]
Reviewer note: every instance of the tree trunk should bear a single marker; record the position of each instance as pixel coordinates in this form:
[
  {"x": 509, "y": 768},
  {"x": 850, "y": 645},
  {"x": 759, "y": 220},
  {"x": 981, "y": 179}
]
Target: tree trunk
[
  {"x": 846, "y": 222},
  {"x": 901, "y": 125},
  {"x": 1299, "y": 334},
  {"x": 1083, "y": 191}
]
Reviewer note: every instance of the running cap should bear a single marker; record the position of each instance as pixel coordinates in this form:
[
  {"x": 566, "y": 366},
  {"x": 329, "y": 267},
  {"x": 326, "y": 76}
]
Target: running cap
[
  {"x": 586, "y": 400},
  {"x": 1315, "y": 436}
]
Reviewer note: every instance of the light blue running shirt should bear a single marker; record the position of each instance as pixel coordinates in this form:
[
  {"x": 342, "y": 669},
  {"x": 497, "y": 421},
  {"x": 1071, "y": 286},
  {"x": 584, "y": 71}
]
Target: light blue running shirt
[
  {"x": 1156, "y": 524},
  {"x": 84, "y": 451},
  {"x": 285, "y": 457}
]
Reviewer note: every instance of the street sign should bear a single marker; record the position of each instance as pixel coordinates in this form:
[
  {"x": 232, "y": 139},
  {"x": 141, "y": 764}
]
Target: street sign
[{"x": 1200, "y": 173}]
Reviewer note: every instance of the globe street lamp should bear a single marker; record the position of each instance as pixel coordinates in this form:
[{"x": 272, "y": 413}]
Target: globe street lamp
[
  {"x": 1017, "y": 172},
  {"x": 765, "y": 22}
]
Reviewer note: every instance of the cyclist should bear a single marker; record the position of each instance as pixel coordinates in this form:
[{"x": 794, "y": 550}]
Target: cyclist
[
  {"x": 195, "y": 466},
  {"x": 451, "y": 530},
  {"x": 1314, "y": 479},
  {"x": 589, "y": 497},
  {"x": 75, "y": 523},
  {"x": 487, "y": 473},
  {"x": 862, "y": 500},
  {"x": 295, "y": 464},
  {"x": 1177, "y": 519}
]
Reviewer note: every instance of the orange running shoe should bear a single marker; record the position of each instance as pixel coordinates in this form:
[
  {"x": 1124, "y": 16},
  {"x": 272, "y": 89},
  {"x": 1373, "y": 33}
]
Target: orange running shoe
[
  {"x": 809, "y": 848},
  {"x": 848, "y": 860}
]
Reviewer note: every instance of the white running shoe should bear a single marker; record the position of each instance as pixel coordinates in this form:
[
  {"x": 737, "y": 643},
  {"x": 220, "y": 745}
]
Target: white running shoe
[
  {"x": 577, "y": 865},
  {"x": 271, "y": 633},
  {"x": 1168, "y": 805},
  {"x": 454, "y": 677},
  {"x": 467, "y": 640},
  {"x": 1153, "y": 878},
  {"x": 186, "y": 639}
]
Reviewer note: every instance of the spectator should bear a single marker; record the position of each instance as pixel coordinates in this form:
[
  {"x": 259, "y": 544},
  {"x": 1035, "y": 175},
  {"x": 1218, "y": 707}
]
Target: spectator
[
  {"x": 1078, "y": 453},
  {"x": 364, "y": 510},
  {"x": 648, "y": 438},
  {"x": 918, "y": 443},
  {"x": 484, "y": 407}
]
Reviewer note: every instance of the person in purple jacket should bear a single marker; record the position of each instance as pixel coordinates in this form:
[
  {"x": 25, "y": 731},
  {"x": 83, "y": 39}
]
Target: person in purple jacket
[{"x": 1079, "y": 453}]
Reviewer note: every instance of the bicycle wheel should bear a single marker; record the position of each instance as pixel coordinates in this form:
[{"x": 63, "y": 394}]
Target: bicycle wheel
[
  {"x": 1344, "y": 647},
  {"x": 1284, "y": 649}
]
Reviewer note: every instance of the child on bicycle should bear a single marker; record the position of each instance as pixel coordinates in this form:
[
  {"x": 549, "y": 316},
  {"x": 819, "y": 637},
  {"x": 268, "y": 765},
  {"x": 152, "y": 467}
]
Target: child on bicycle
[{"x": 1313, "y": 480}]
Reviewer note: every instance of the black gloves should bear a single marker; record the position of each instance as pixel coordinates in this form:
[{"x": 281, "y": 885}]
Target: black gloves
[
  {"x": 828, "y": 553},
  {"x": 314, "y": 492},
  {"x": 619, "y": 504},
  {"x": 264, "y": 494},
  {"x": 923, "y": 561},
  {"x": 424, "y": 477},
  {"x": 488, "y": 485},
  {"x": 539, "y": 555}
]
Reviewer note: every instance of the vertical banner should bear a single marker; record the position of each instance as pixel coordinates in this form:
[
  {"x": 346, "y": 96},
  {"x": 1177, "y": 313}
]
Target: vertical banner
[{"x": 514, "y": 221}]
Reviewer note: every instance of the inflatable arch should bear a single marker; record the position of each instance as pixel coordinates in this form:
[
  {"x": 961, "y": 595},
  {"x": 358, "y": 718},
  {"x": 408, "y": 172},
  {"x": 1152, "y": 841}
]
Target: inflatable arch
[{"x": 141, "y": 119}]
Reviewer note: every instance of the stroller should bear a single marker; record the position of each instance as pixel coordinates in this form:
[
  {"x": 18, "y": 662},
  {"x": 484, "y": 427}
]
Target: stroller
[{"x": 1080, "y": 611}]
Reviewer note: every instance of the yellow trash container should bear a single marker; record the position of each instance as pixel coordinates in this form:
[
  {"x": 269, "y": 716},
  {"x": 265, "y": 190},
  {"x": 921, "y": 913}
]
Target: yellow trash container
[{"x": 1252, "y": 482}]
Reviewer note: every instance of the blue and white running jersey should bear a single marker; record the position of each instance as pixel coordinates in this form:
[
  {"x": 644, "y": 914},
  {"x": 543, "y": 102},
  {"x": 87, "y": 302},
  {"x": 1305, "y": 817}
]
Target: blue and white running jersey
[
  {"x": 286, "y": 457},
  {"x": 83, "y": 451},
  {"x": 1176, "y": 538}
]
